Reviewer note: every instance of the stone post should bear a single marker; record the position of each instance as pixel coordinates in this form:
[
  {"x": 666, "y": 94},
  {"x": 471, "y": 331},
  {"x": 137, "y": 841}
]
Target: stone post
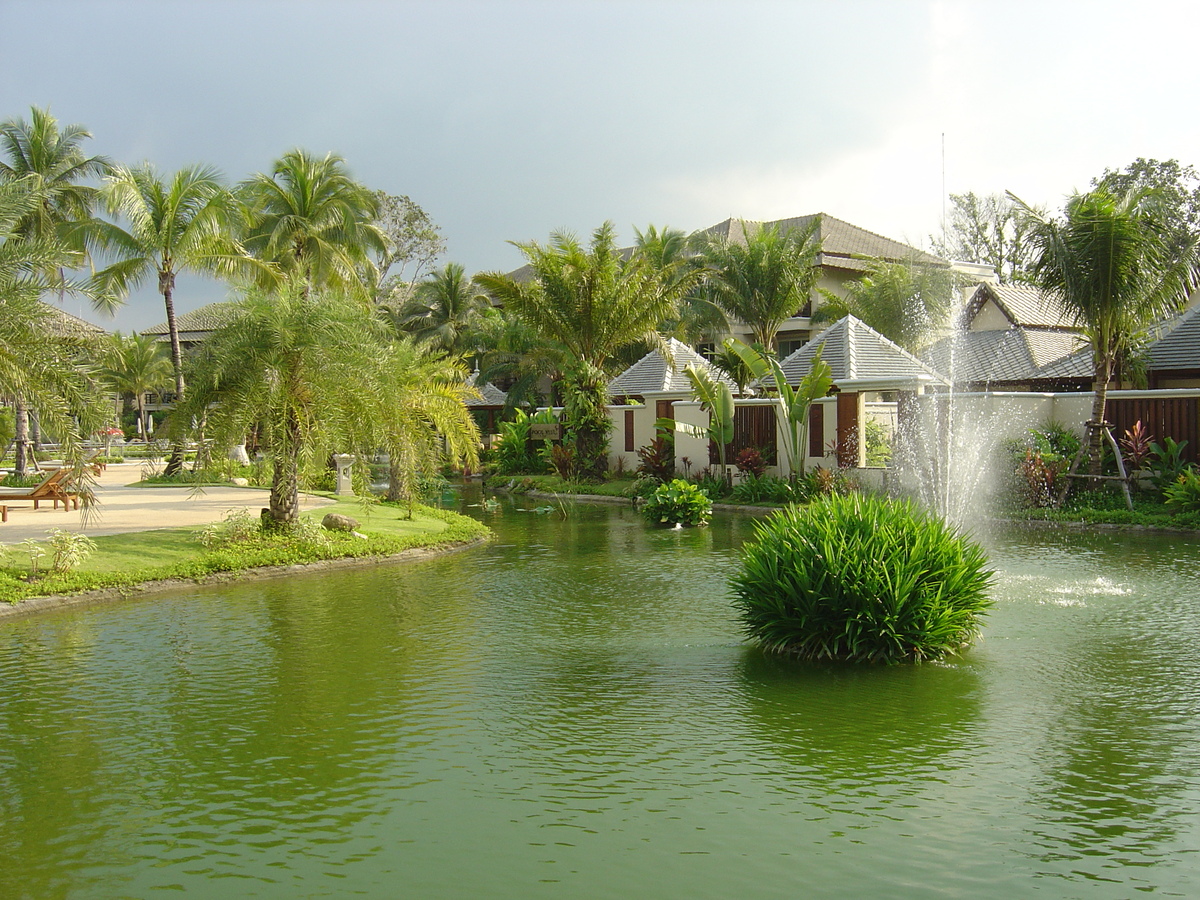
[{"x": 344, "y": 462}]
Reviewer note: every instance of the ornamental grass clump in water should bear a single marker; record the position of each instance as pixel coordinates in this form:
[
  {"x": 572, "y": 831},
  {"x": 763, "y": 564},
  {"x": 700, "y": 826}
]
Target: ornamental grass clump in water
[{"x": 863, "y": 579}]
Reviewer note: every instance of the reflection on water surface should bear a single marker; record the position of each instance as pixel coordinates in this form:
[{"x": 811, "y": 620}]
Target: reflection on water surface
[{"x": 571, "y": 712}]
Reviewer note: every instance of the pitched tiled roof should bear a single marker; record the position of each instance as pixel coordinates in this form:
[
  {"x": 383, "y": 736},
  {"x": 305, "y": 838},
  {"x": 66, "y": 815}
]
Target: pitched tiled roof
[
  {"x": 842, "y": 245},
  {"x": 1012, "y": 355},
  {"x": 63, "y": 324},
  {"x": 490, "y": 395},
  {"x": 854, "y": 350},
  {"x": 199, "y": 323},
  {"x": 1022, "y": 305},
  {"x": 1179, "y": 348},
  {"x": 652, "y": 374}
]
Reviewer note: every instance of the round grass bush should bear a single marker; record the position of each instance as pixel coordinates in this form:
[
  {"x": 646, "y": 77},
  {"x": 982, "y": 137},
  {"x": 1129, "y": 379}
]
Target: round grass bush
[
  {"x": 678, "y": 502},
  {"x": 862, "y": 578}
]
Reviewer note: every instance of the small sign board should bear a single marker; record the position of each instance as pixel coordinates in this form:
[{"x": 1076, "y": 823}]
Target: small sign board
[{"x": 551, "y": 432}]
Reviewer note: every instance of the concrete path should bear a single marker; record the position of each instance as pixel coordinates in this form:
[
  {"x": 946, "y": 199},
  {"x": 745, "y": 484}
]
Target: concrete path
[{"x": 121, "y": 508}]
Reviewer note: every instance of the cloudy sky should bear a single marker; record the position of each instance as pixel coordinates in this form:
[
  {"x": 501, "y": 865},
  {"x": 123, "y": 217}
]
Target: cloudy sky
[{"x": 508, "y": 119}]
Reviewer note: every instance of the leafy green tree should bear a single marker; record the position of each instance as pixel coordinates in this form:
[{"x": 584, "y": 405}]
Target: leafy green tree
[
  {"x": 1113, "y": 260},
  {"x": 136, "y": 364},
  {"x": 592, "y": 303},
  {"x": 315, "y": 372},
  {"x": 50, "y": 164},
  {"x": 445, "y": 309},
  {"x": 766, "y": 280},
  {"x": 1177, "y": 187},
  {"x": 989, "y": 229},
  {"x": 907, "y": 302},
  {"x": 180, "y": 223},
  {"x": 313, "y": 221},
  {"x": 411, "y": 245}
]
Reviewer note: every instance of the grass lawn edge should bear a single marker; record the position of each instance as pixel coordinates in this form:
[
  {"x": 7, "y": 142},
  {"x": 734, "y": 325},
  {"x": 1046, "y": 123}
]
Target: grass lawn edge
[{"x": 463, "y": 533}]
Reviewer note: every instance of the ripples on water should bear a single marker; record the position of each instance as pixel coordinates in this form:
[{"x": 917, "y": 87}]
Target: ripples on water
[{"x": 570, "y": 712}]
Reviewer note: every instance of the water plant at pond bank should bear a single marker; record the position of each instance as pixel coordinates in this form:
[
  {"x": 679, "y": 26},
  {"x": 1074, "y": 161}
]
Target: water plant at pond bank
[
  {"x": 861, "y": 578},
  {"x": 127, "y": 560},
  {"x": 677, "y": 502}
]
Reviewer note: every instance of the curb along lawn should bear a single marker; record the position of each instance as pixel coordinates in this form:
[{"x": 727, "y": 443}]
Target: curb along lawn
[{"x": 128, "y": 560}]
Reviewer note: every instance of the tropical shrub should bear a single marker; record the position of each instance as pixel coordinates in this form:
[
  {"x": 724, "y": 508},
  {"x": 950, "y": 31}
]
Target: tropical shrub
[
  {"x": 1137, "y": 445},
  {"x": 515, "y": 453},
  {"x": 1167, "y": 462},
  {"x": 657, "y": 459},
  {"x": 823, "y": 482},
  {"x": 642, "y": 487},
  {"x": 1183, "y": 494},
  {"x": 712, "y": 483},
  {"x": 861, "y": 578},
  {"x": 764, "y": 489},
  {"x": 564, "y": 461},
  {"x": 750, "y": 462},
  {"x": 678, "y": 502},
  {"x": 69, "y": 549}
]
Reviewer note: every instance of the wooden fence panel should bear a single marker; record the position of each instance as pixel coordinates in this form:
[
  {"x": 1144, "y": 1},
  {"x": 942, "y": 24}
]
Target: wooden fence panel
[
  {"x": 753, "y": 426},
  {"x": 1173, "y": 417}
]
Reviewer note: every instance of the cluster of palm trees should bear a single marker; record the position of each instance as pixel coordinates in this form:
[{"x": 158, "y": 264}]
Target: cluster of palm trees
[{"x": 305, "y": 355}]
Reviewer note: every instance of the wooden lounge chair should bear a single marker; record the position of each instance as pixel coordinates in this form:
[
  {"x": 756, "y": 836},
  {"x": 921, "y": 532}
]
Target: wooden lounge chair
[{"x": 54, "y": 487}]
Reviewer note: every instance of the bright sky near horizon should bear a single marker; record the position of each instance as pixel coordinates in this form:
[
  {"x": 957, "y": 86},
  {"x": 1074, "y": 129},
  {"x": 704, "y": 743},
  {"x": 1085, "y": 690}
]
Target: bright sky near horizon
[{"x": 508, "y": 119}]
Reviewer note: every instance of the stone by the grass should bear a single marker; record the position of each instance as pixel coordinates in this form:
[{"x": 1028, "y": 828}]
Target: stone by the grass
[{"x": 338, "y": 522}]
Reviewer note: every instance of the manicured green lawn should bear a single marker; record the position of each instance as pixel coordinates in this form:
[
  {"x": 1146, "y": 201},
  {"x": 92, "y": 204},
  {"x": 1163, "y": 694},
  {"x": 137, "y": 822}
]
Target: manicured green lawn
[{"x": 125, "y": 560}]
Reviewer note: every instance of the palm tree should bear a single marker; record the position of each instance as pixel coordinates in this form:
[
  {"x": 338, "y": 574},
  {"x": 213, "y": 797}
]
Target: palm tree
[
  {"x": 907, "y": 302},
  {"x": 310, "y": 218},
  {"x": 137, "y": 365},
  {"x": 44, "y": 369},
  {"x": 49, "y": 161},
  {"x": 671, "y": 252},
  {"x": 314, "y": 371},
  {"x": 591, "y": 303},
  {"x": 424, "y": 418},
  {"x": 766, "y": 280},
  {"x": 445, "y": 309},
  {"x": 180, "y": 224},
  {"x": 1114, "y": 262}
]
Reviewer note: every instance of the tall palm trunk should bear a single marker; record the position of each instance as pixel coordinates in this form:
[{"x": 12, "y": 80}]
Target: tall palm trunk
[
  {"x": 1099, "y": 403},
  {"x": 285, "y": 480},
  {"x": 166, "y": 286},
  {"x": 20, "y": 437}
]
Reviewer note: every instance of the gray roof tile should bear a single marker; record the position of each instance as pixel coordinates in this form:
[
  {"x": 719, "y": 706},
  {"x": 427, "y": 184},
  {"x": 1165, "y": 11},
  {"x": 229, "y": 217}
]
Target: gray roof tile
[
  {"x": 1179, "y": 348},
  {"x": 854, "y": 350},
  {"x": 651, "y": 374}
]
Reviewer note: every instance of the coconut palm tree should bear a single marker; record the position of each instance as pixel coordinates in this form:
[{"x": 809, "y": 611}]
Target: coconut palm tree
[
  {"x": 766, "y": 279},
  {"x": 444, "y": 310},
  {"x": 592, "y": 303},
  {"x": 310, "y": 218},
  {"x": 181, "y": 223},
  {"x": 1114, "y": 262},
  {"x": 138, "y": 365},
  {"x": 51, "y": 165},
  {"x": 315, "y": 372},
  {"x": 671, "y": 252},
  {"x": 46, "y": 370}
]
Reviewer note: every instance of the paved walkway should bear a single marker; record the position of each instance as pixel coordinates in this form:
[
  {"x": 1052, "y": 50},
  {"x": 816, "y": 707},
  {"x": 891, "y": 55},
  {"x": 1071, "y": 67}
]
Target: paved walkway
[{"x": 121, "y": 508}]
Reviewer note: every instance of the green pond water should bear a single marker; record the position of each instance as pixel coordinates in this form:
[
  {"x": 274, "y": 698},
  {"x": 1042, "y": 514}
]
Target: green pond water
[{"x": 571, "y": 712}]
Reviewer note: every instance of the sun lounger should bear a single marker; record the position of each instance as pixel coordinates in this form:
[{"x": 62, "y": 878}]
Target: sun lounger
[{"x": 54, "y": 487}]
